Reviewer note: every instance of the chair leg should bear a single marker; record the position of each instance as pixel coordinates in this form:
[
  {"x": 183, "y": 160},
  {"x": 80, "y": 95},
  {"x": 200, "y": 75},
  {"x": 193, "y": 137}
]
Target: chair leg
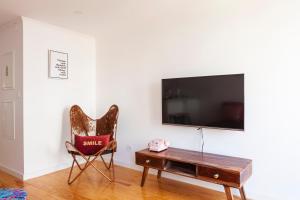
[
  {"x": 74, "y": 157},
  {"x": 106, "y": 166},
  {"x": 70, "y": 173},
  {"x": 103, "y": 161},
  {"x": 88, "y": 163},
  {"x": 113, "y": 169},
  {"x": 70, "y": 182},
  {"x": 110, "y": 165},
  {"x": 77, "y": 176},
  {"x": 111, "y": 160},
  {"x": 110, "y": 180},
  {"x": 91, "y": 163}
]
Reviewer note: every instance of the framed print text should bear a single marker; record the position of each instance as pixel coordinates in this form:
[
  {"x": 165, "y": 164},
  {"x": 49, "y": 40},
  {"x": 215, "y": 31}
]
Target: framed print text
[{"x": 58, "y": 64}]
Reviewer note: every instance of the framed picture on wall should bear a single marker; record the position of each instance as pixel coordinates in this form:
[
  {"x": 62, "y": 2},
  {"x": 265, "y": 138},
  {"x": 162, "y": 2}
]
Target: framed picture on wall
[
  {"x": 7, "y": 67},
  {"x": 58, "y": 64}
]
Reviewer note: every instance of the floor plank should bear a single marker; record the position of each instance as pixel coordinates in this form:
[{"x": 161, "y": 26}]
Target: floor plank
[{"x": 92, "y": 186}]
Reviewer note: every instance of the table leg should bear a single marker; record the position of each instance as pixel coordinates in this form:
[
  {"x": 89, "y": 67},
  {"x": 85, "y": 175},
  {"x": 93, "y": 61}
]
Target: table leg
[
  {"x": 159, "y": 174},
  {"x": 228, "y": 193},
  {"x": 145, "y": 173},
  {"x": 243, "y": 194}
]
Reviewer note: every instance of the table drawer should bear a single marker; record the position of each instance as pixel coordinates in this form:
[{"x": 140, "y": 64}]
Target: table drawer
[
  {"x": 218, "y": 175},
  {"x": 149, "y": 161}
]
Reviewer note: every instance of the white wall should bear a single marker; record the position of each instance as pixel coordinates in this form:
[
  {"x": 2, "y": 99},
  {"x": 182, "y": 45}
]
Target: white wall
[
  {"x": 11, "y": 148},
  {"x": 47, "y": 101},
  {"x": 142, "y": 42}
]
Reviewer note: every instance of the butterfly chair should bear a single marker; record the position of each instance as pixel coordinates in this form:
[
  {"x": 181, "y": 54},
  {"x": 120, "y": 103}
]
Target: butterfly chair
[{"x": 83, "y": 125}]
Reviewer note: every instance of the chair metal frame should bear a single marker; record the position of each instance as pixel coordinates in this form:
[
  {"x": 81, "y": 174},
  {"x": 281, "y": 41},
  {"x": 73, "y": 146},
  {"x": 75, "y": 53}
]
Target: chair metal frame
[{"x": 80, "y": 123}]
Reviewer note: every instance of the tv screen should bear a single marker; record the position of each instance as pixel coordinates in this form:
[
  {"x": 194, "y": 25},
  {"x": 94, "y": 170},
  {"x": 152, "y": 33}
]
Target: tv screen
[{"x": 208, "y": 101}]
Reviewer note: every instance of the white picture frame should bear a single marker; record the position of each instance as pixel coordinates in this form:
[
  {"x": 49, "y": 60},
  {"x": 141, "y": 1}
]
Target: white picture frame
[
  {"x": 58, "y": 64},
  {"x": 7, "y": 70}
]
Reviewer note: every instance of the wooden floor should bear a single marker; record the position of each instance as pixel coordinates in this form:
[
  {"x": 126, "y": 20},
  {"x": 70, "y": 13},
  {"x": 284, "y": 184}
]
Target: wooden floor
[{"x": 92, "y": 185}]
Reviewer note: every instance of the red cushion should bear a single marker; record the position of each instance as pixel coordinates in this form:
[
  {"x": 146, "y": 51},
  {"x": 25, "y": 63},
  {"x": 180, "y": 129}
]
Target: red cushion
[{"x": 89, "y": 145}]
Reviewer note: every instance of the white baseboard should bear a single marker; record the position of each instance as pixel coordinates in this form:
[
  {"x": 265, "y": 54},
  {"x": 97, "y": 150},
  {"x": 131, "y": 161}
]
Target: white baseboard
[
  {"x": 49, "y": 170},
  {"x": 12, "y": 172},
  {"x": 26, "y": 176},
  {"x": 45, "y": 171}
]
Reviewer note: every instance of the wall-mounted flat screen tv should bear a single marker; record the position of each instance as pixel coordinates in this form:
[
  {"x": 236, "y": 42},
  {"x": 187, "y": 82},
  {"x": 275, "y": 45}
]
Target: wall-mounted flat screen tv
[{"x": 206, "y": 101}]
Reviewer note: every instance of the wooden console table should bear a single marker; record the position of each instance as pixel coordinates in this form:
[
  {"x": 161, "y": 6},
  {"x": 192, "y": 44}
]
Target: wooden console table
[{"x": 223, "y": 170}]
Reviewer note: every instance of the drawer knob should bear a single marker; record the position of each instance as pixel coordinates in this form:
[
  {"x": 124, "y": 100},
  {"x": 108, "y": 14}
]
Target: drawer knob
[
  {"x": 147, "y": 161},
  {"x": 216, "y": 176}
]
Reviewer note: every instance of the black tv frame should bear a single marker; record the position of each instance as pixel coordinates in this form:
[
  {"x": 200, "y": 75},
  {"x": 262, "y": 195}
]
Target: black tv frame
[{"x": 197, "y": 126}]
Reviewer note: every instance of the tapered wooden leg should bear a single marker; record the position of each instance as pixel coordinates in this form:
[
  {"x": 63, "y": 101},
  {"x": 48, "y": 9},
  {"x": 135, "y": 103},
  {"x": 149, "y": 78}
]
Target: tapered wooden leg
[
  {"x": 243, "y": 194},
  {"x": 228, "y": 193},
  {"x": 159, "y": 174},
  {"x": 145, "y": 173}
]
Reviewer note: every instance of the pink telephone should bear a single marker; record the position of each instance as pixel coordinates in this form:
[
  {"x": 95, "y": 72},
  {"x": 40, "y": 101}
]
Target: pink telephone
[{"x": 158, "y": 145}]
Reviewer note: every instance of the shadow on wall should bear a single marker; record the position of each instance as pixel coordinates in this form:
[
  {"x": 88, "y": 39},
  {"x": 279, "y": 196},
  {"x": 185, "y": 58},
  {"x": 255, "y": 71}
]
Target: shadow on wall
[
  {"x": 66, "y": 131},
  {"x": 57, "y": 150}
]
